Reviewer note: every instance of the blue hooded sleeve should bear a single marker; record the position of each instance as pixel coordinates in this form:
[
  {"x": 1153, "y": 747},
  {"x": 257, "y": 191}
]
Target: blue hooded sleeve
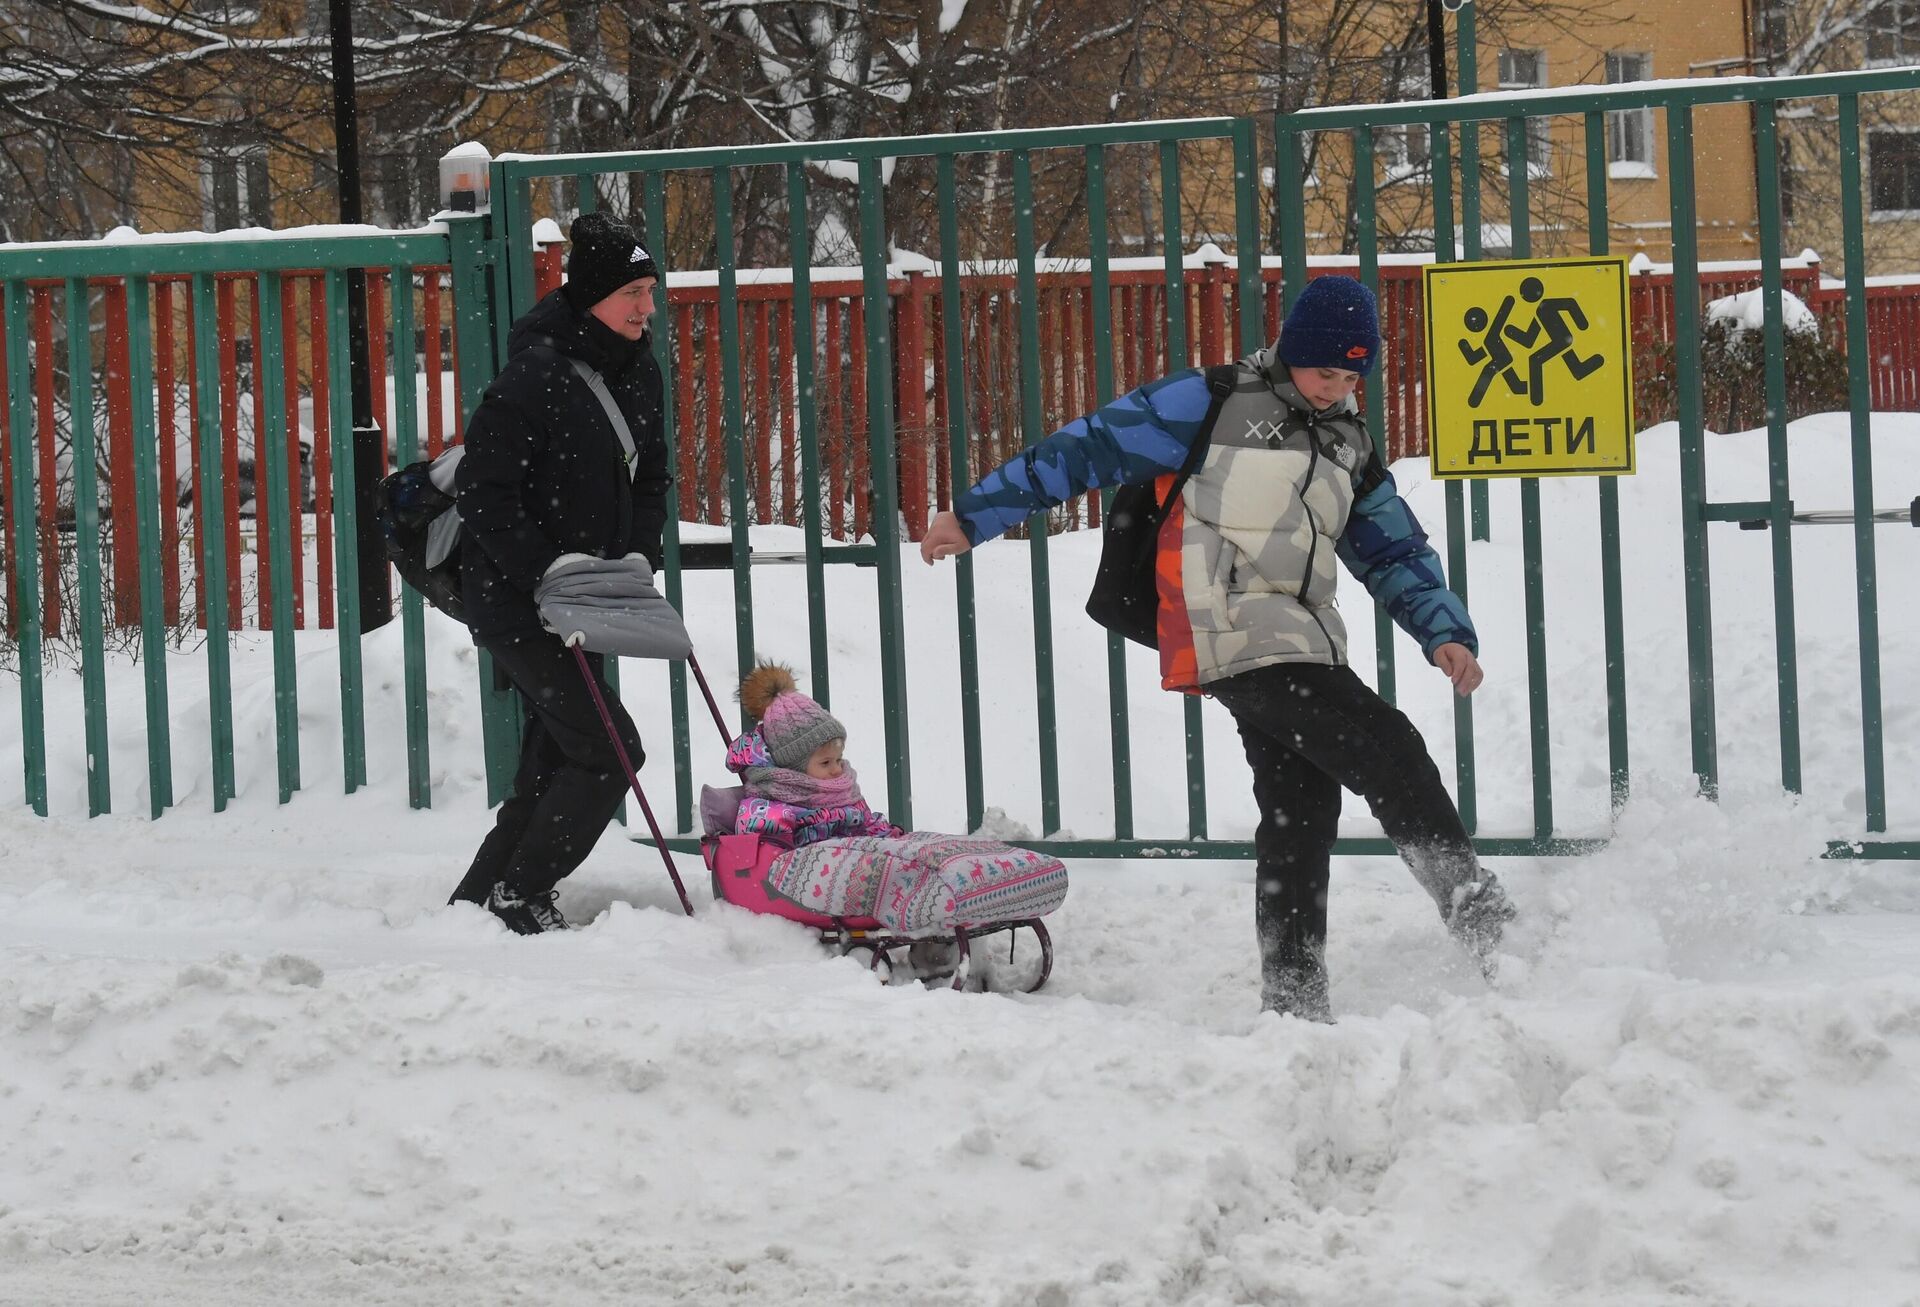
[
  {"x": 1139, "y": 436},
  {"x": 1385, "y": 548}
]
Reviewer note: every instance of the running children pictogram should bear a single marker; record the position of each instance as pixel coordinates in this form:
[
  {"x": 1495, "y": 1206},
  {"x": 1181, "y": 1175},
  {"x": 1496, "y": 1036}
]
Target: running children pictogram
[{"x": 1529, "y": 368}]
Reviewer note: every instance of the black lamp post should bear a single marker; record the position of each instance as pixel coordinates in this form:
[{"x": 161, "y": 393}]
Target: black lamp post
[
  {"x": 1437, "y": 47},
  {"x": 369, "y": 449}
]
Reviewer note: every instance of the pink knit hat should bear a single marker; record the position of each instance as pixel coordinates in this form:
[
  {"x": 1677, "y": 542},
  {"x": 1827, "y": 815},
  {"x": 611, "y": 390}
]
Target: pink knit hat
[{"x": 792, "y": 724}]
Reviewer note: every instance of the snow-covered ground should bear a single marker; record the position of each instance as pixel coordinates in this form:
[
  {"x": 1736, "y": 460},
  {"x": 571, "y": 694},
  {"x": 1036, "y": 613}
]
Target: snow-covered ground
[{"x": 249, "y": 1058}]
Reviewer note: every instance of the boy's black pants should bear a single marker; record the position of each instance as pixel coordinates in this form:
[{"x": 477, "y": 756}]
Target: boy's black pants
[
  {"x": 1309, "y": 730},
  {"x": 569, "y": 783}
]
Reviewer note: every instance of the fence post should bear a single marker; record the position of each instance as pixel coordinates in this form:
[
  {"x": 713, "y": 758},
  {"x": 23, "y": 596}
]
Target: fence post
[
  {"x": 1693, "y": 464},
  {"x": 1100, "y": 351},
  {"x": 86, "y": 542},
  {"x": 954, "y": 337},
  {"x": 912, "y": 437},
  {"x": 43, "y": 382},
  {"x": 406, "y": 437},
  {"x": 886, "y": 497},
  {"x": 126, "y": 540},
  {"x": 210, "y": 597},
  {"x": 1599, "y": 241},
  {"x": 1859, "y": 409},
  {"x": 473, "y": 329},
  {"x": 26, "y": 547},
  {"x": 1213, "y": 314},
  {"x": 733, "y": 418},
  {"x": 149, "y": 505},
  {"x": 1780, "y": 493},
  {"x": 276, "y": 499},
  {"x": 670, "y": 350}
]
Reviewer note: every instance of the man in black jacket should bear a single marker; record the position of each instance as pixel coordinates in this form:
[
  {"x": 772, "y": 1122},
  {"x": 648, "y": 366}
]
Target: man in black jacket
[{"x": 547, "y": 476}]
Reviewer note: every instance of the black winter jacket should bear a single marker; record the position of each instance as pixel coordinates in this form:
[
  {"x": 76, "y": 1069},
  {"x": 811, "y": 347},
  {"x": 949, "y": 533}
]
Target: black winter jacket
[{"x": 543, "y": 475}]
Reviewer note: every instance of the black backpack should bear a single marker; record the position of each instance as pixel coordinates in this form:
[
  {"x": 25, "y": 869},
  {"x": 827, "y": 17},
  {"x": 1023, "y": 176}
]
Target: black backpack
[
  {"x": 411, "y": 509},
  {"x": 417, "y": 522},
  {"x": 1125, "y": 599}
]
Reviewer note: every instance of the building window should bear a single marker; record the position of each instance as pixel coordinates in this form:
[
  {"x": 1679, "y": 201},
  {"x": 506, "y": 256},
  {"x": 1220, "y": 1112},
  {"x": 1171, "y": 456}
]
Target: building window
[
  {"x": 1772, "y": 34},
  {"x": 1309, "y": 164},
  {"x": 1524, "y": 70},
  {"x": 398, "y": 194},
  {"x": 402, "y": 175},
  {"x": 1893, "y": 172},
  {"x": 235, "y": 188},
  {"x": 1893, "y": 32},
  {"x": 1630, "y": 131},
  {"x": 1405, "y": 150}
]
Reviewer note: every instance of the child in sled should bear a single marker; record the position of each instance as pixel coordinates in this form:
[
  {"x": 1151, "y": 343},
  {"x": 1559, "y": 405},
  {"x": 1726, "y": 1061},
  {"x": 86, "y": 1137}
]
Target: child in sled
[
  {"x": 799, "y": 788},
  {"x": 822, "y": 855}
]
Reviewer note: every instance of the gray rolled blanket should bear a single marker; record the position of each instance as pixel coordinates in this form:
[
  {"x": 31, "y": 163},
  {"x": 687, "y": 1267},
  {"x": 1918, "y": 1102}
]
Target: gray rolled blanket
[{"x": 610, "y": 606}]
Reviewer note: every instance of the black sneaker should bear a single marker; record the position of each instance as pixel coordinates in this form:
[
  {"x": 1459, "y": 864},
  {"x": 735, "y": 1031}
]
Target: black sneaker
[
  {"x": 1481, "y": 911},
  {"x": 545, "y": 909},
  {"x": 526, "y": 914}
]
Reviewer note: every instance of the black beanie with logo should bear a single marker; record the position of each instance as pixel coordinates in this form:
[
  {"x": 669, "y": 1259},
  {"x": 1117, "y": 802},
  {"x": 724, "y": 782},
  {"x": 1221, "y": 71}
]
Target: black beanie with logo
[{"x": 606, "y": 255}]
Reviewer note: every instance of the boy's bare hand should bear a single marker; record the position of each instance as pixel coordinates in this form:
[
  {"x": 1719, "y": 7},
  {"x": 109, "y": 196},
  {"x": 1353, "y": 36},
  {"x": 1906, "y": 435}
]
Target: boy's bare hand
[
  {"x": 1461, "y": 667},
  {"x": 945, "y": 538}
]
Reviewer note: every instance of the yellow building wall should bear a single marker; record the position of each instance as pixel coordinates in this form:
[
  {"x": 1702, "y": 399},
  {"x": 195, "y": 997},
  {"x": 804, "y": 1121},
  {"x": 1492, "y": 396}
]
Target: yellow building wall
[
  {"x": 1680, "y": 41},
  {"x": 1810, "y": 147},
  {"x": 1683, "y": 41}
]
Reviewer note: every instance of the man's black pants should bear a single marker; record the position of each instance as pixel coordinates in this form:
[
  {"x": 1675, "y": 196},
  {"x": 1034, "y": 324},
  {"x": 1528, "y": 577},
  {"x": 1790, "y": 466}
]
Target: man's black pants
[
  {"x": 569, "y": 783},
  {"x": 1310, "y": 729}
]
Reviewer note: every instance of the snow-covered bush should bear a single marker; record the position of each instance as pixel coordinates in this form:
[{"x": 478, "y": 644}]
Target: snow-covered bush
[{"x": 1733, "y": 366}]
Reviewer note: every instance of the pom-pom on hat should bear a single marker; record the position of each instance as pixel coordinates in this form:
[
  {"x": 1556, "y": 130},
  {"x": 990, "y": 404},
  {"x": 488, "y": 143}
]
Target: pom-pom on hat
[
  {"x": 605, "y": 256},
  {"x": 1334, "y": 324},
  {"x": 792, "y": 724}
]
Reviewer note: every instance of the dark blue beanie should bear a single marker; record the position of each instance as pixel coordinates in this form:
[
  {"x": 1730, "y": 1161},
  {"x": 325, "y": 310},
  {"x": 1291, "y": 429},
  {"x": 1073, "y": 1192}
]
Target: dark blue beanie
[{"x": 1333, "y": 324}]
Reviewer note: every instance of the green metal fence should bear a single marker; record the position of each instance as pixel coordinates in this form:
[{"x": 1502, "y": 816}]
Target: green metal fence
[
  {"x": 1838, "y": 94},
  {"x": 493, "y": 277},
  {"x": 132, "y": 268},
  {"x": 715, "y": 170}
]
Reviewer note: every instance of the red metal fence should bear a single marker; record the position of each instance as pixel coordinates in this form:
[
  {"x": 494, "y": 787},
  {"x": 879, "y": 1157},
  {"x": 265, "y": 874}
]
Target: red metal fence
[
  {"x": 308, "y": 420},
  {"x": 922, "y": 394},
  {"x": 923, "y": 391}
]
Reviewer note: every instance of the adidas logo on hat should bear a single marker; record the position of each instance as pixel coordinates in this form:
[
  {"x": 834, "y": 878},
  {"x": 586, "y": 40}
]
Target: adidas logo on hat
[{"x": 638, "y": 256}]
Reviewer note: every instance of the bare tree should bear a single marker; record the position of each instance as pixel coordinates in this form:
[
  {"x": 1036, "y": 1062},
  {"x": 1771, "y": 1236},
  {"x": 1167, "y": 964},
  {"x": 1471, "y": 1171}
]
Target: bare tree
[
  {"x": 108, "y": 109},
  {"x": 1795, "y": 37}
]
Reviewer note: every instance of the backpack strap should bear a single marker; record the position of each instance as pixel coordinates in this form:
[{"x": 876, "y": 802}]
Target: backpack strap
[
  {"x": 1123, "y": 598},
  {"x": 1220, "y": 381},
  {"x": 1373, "y": 475},
  {"x": 598, "y": 385}
]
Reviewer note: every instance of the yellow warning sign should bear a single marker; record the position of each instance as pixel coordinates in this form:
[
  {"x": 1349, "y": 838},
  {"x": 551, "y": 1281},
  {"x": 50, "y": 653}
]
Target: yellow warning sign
[{"x": 1529, "y": 368}]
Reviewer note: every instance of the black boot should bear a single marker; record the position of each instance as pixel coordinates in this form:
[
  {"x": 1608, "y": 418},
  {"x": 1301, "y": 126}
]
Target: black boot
[
  {"x": 1296, "y": 986},
  {"x": 1290, "y": 922},
  {"x": 1481, "y": 911}
]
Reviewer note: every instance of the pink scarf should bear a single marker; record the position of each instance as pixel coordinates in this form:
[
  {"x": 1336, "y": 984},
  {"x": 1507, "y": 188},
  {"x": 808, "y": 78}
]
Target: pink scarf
[
  {"x": 767, "y": 780},
  {"x": 801, "y": 790}
]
